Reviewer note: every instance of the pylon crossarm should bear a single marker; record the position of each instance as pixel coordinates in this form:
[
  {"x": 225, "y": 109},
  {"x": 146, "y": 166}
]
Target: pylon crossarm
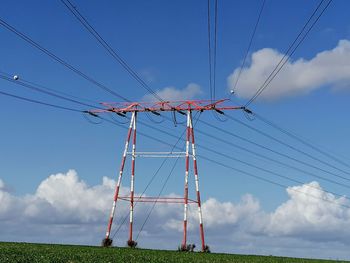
[
  {"x": 151, "y": 199},
  {"x": 159, "y": 154},
  {"x": 156, "y": 107}
]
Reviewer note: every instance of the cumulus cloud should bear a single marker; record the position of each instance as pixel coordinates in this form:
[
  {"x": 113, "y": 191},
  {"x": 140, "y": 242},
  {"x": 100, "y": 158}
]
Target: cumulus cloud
[
  {"x": 301, "y": 76},
  {"x": 61, "y": 198},
  {"x": 307, "y": 216},
  {"x": 171, "y": 93},
  {"x": 64, "y": 209}
]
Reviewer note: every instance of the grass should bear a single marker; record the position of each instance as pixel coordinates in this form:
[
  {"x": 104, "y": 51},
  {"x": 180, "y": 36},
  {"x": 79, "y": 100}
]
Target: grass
[{"x": 44, "y": 253}]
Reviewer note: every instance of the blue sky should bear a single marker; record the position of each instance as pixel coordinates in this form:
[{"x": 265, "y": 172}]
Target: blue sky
[{"x": 166, "y": 43}]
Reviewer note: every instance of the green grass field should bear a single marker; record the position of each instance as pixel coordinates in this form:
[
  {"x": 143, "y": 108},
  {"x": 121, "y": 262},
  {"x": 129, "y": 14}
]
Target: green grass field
[{"x": 28, "y": 253}]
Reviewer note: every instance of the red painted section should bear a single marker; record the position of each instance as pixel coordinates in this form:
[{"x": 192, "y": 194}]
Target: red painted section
[
  {"x": 129, "y": 134},
  {"x": 116, "y": 193},
  {"x": 195, "y": 167},
  {"x": 109, "y": 226},
  {"x": 123, "y": 163},
  {"x": 198, "y": 199},
  {"x": 192, "y": 135},
  {"x": 201, "y": 231},
  {"x": 130, "y": 232},
  {"x": 184, "y": 240}
]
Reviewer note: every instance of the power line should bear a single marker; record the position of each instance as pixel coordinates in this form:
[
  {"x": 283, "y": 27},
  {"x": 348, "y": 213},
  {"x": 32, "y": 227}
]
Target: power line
[
  {"x": 107, "y": 46},
  {"x": 60, "y": 92},
  {"x": 39, "y": 102},
  {"x": 284, "y": 59},
  {"x": 271, "y": 182},
  {"x": 209, "y": 52},
  {"x": 45, "y": 91},
  {"x": 295, "y": 149},
  {"x": 274, "y": 151},
  {"x": 215, "y": 47},
  {"x": 58, "y": 59},
  {"x": 271, "y": 159},
  {"x": 299, "y": 139},
  {"x": 46, "y": 88},
  {"x": 299, "y": 161},
  {"x": 249, "y": 45},
  {"x": 267, "y": 170}
]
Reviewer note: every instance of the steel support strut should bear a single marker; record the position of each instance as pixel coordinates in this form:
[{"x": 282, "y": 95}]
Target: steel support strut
[
  {"x": 195, "y": 169},
  {"x": 107, "y": 241},
  {"x": 133, "y": 156},
  {"x": 184, "y": 240},
  {"x": 190, "y": 137}
]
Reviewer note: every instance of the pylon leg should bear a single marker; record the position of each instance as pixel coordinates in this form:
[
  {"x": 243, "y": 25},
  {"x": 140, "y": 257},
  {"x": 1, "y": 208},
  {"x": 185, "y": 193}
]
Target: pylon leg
[
  {"x": 184, "y": 240},
  {"x": 107, "y": 241},
  {"x": 201, "y": 228},
  {"x": 130, "y": 241}
]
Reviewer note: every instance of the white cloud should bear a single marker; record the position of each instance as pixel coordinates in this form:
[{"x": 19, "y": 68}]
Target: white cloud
[
  {"x": 327, "y": 68},
  {"x": 64, "y": 209},
  {"x": 171, "y": 93},
  {"x": 309, "y": 217}
]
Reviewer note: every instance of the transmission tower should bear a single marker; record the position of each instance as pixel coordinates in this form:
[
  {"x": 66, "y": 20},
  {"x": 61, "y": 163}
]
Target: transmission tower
[{"x": 184, "y": 108}]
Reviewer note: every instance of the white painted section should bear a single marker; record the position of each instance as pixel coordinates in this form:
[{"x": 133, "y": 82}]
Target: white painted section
[
  {"x": 119, "y": 178},
  {"x": 200, "y": 215},
  {"x": 186, "y": 178},
  {"x": 131, "y": 215},
  {"x": 197, "y": 183},
  {"x": 132, "y": 184},
  {"x": 113, "y": 209},
  {"x": 126, "y": 148},
  {"x": 185, "y": 212}
]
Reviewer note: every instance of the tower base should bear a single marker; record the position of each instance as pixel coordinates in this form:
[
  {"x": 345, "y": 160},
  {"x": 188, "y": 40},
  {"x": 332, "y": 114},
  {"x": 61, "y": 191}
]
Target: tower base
[{"x": 107, "y": 242}]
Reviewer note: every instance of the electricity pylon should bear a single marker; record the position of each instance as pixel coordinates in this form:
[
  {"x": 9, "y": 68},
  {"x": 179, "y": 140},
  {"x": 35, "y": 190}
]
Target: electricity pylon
[{"x": 185, "y": 108}]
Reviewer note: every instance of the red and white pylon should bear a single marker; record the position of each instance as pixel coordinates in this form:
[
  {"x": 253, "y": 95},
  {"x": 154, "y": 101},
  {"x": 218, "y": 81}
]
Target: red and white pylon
[{"x": 177, "y": 106}]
